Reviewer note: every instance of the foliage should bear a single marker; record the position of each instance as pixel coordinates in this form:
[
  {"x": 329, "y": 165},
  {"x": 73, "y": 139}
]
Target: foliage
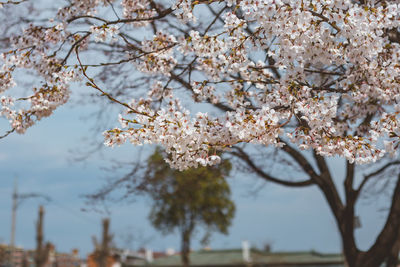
[{"x": 188, "y": 199}]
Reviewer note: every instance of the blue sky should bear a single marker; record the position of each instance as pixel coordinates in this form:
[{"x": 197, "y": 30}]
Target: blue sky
[{"x": 290, "y": 219}]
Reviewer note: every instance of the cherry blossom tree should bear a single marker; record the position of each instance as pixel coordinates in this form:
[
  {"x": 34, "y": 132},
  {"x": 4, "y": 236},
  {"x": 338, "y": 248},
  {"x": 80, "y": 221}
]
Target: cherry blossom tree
[{"x": 311, "y": 79}]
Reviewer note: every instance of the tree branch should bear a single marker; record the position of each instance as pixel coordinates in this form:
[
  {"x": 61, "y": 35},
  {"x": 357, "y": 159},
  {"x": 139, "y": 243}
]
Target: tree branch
[
  {"x": 7, "y": 133},
  {"x": 300, "y": 159},
  {"x": 388, "y": 236},
  {"x": 12, "y": 2},
  {"x": 347, "y": 220},
  {"x": 185, "y": 84},
  {"x": 375, "y": 173},
  {"x": 348, "y": 182},
  {"x": 327, "y": 185},
  {"x": 162, "y": 14},
  {"x": 240, "y": 153}
]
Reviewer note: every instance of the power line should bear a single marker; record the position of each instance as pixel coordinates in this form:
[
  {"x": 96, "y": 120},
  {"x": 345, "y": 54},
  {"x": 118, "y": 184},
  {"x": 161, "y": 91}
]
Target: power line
[{"x": 72, "y": 211}]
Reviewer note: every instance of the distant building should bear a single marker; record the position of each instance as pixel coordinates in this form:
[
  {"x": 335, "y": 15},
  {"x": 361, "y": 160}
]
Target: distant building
[
  {"x": 18, "y": 257},
  {"x": 118, "y": 258},
  {"x": 12, "y": 257},
  {"x": 92, "y": 262},
  {"x": 125, "y": 258},
  {"x": 68, "y": 259},
  {"x": 256, "y": 258}
]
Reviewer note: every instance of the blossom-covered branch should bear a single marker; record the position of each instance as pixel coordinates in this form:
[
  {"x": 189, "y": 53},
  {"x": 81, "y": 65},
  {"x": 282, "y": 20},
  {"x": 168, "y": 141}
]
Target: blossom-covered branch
[{"x": 302, "y": 71}]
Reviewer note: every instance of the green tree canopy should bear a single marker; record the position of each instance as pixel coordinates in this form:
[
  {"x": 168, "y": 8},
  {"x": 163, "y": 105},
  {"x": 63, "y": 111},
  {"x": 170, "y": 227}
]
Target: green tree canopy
[{"x": 186, "y": 200}]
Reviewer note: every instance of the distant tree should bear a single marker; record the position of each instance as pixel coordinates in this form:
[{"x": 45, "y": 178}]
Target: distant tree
[{"x": 188, "y": 199}]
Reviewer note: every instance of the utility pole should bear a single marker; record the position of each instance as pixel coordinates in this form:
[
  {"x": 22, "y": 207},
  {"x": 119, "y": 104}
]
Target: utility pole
[
  {"x": 105, "y": 244},
  {"x": 17, "y": 199},
  {"x": 14, "y": 211},
  {"x": 42, "y": 251},
  {"x": 102, "y": 251},
  {"x": 13, "y": 220}
]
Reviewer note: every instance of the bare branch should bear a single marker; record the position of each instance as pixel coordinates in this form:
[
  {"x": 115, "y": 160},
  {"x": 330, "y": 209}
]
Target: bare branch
[
  {"x": 7, "y": 133},
  {"x": 325, "y": 182},
  {"x": 375, "y": 173},
  {"x": 13, "y": 2},
  {"x": 300, "y": 159},
  {"x": 127, "y": 179},
  {"x": 162, "y": 14},
  {"x": 388, "y": 236},
  {"x": 348, "y": 182},
  {"x": 91, "y": 83},
  {"x": 240, "y": 153}
]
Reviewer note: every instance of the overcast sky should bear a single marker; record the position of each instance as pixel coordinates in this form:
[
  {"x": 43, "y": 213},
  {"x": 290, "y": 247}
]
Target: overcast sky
[{"x": 289, "y": 219}]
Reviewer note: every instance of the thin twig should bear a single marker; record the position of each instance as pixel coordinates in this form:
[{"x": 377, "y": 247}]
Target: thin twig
[
  {"x": 7, "y": 133},
  {"x": 95, "y": 86},
  {"x": 12, "y": 2}
]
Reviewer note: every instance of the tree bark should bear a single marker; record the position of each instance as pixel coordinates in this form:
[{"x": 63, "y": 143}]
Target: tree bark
[
  {"x": 347, "y": 217},
  {"x": 387, "y": 244},
  {"x": 393, "y": 258},
  {"x": 384, "y": 248}
]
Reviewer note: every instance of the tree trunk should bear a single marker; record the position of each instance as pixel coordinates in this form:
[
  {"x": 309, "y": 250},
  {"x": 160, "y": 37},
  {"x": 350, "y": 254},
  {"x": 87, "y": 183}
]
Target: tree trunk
[
  {"x": 383, "y": 249},
  {"x": 393, "y": 258},
  {"x": 387, "y": 244},
  {"x": 185, "y": 248}
]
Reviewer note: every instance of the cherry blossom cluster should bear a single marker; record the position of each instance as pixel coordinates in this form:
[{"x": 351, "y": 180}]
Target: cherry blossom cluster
[
  {"x": 172, "y": 127},
  {"x": 103, "y": 33},
  {"x": 140, "y": 10},
  {"x": 158, "y": 54},
  {"x": 321, "y": 74},
  {"x": 29, "y": 53},
  {"x": 305, "y": 40},
  {"x": 184, "y": 10},
  {"x": 81, "y": 7},
  {"x": 45, "y": 99}
]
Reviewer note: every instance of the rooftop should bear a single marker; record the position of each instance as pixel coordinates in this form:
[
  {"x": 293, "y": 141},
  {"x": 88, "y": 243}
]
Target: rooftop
[{"x": 234, "y": 257}]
